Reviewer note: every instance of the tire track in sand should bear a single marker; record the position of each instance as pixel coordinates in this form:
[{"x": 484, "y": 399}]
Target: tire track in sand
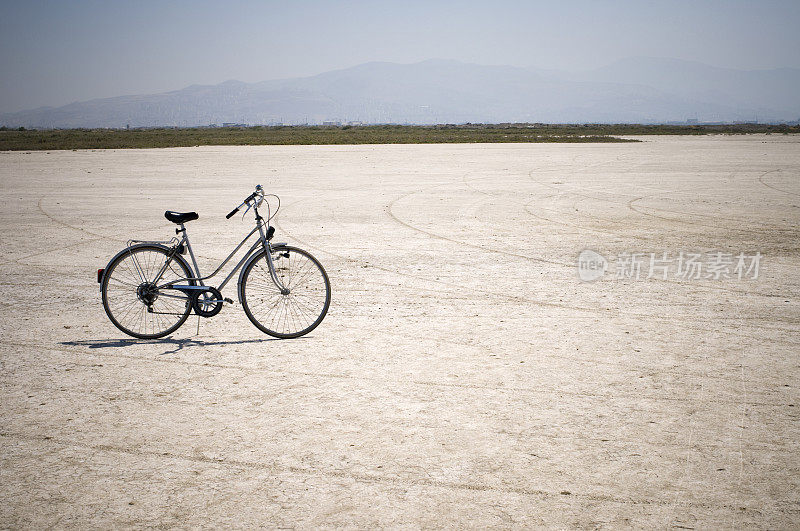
[
  {"x": 686, "y": 322},
  {"x": 402, "y": 481}
]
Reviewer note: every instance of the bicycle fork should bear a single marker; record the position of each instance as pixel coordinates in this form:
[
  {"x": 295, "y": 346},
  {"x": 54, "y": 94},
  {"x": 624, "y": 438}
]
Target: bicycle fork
[{"x": 268, "y": 252}]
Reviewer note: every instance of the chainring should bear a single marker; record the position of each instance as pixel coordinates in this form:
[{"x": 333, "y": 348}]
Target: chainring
[{"x": 207, "y": 309}]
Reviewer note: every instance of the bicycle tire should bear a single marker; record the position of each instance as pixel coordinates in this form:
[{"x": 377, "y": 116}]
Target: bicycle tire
[
  {"x": 125, "y": 292},
  {"x": 285, "y": 316}
]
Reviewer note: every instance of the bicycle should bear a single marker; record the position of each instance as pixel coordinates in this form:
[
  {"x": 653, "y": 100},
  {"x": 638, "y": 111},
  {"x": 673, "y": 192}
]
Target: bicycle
[{"x": 149, "y": 289}]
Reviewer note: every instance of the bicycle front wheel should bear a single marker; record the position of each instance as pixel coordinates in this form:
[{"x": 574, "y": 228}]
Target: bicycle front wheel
[
  {"x": 292, "y": 313},
  {"x": 131, "y": 296}
]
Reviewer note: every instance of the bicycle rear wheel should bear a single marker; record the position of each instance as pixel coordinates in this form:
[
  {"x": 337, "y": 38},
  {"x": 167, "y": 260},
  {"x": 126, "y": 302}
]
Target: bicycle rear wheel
[
  {"x": 292, "y": 314},
  {"x": 131, "y": 296}
]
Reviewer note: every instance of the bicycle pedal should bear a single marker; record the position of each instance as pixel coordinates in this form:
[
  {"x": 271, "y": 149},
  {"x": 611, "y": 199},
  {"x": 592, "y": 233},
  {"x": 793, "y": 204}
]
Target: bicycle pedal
[{"x": 229, "y": 301}]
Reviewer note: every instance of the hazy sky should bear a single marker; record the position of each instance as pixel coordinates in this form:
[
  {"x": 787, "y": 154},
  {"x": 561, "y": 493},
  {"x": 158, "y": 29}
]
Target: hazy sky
[{"x": 57, "y": 52}]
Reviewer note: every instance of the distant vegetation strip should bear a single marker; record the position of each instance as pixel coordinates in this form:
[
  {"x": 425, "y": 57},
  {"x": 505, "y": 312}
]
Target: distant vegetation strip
[{"x": 28, "y": 140}]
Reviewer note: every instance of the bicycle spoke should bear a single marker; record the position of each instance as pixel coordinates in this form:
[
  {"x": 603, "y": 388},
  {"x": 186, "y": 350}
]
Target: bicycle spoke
[
  {"x": 286, "y": 314},
  {"x": 133, "y": 301}
]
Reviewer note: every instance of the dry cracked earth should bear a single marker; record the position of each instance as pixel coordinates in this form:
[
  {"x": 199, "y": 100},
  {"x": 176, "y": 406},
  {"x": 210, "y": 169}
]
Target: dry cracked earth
[{"x": 465, "y": 376}]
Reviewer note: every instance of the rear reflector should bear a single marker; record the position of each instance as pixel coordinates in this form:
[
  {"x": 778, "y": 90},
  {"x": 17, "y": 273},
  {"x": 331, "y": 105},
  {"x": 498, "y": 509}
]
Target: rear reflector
[{"x": 100, "y": 275}]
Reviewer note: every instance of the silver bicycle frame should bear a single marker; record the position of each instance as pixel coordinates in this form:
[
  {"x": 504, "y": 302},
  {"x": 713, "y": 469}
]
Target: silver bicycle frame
[
  {"x": 261, "y": 241},
  {"x": 199, "y": 279}
]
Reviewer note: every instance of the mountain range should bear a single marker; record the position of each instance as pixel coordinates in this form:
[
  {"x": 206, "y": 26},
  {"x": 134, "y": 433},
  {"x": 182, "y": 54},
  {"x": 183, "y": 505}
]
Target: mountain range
[{"x": 634, "y": 90}]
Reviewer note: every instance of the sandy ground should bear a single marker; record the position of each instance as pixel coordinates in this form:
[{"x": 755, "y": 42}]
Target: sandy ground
[{"x": 464, "y": 376}]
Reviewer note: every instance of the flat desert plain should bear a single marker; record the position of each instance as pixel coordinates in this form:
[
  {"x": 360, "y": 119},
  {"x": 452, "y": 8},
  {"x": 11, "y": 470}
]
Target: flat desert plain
[{"x": 465, "y": 376}]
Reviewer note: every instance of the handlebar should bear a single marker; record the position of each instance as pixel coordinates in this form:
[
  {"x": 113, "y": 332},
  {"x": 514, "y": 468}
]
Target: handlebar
[{"x": 258, "y": 198}]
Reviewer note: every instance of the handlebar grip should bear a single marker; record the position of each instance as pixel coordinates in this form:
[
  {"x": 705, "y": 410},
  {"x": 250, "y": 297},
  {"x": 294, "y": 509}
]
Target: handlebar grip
[{"x": 234, "y": 211}]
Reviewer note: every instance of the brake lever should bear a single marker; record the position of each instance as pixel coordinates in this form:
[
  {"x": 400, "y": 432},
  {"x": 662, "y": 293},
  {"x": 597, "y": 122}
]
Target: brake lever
[{"x": 249, "y": 206}]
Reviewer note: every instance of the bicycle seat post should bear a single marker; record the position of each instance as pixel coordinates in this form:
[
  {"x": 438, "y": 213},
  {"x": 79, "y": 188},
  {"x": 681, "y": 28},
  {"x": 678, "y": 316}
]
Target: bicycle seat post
[{"x": 191, "y": 252}]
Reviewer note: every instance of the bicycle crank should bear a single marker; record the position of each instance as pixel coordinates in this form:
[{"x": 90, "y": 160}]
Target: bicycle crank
[{"x": 207, "y": 303}]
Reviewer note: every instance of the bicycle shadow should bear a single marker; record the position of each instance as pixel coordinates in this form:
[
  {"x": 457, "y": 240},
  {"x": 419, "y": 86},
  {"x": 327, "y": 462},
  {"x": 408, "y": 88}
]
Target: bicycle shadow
[{"x": 179, "y": 344}]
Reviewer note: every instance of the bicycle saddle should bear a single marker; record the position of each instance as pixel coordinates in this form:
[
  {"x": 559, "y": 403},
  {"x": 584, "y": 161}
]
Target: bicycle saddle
[{"x": 180, "y": 217}]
